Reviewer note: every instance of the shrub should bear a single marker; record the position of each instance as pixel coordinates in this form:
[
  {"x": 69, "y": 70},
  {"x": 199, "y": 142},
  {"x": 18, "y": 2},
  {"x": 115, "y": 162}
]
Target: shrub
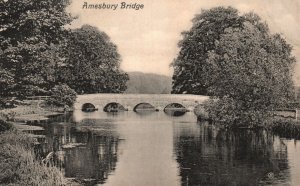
[
  {"x": 4, "y": 126},
  {"x": 62, "y": 95},
  {"x": 286, "y": 128},
  {"x": 201, "y": 113},
  {"x": 234, "y": 114},
  {"x": 7, "y": 103},
  {"x": 30, "y": 90}
]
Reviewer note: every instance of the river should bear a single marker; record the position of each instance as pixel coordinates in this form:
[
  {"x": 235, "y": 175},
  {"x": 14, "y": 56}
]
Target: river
[{"x": 137, "y": 149}]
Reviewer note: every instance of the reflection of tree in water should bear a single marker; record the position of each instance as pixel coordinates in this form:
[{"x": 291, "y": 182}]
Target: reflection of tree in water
[
  {"x": 95, "y": 155},
  {"x": 211, "y": 156},
  {"x": 95, "y": 160},
  {"x": 56, "y": 132}
]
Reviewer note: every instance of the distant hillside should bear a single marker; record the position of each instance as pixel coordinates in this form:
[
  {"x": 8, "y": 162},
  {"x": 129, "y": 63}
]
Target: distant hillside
[{"x": 147, "y": 83}]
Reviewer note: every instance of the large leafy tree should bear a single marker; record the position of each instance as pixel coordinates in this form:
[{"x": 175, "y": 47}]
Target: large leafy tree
[
  {"x": 92, "y": 63},
  {"x": 29, "y": 33},
  {"x": 252, "y": 67},
  {"x": 6, "y": 82},
  {"x": 248, "y": 69},
  {"x": 190, "y": 74}
]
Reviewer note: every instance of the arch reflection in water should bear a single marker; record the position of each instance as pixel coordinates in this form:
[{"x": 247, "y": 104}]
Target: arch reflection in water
[
  {"x": 175, "y": 109},
  {"x": 114, "y": 107},
  {"x": 211, "y": 156}
]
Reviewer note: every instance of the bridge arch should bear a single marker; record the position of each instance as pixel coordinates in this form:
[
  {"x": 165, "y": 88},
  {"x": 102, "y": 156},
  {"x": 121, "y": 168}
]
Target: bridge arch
[
  {"x": 114, "y": 107},
  {"x": 88, "y": 107},
  {"x": 144, "y": 106}
]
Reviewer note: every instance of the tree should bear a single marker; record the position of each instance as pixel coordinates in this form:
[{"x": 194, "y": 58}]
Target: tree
[
  {"x": 253, "y": 67},
  {"x": 62, "y": 95},
  {"x": 6, "y": 82},
  {"x": 247, "y": 69},
  {"x": 92, "y": 63},
  {"x": 30, "y": 30},
  {"x": 190, "y": 74}
]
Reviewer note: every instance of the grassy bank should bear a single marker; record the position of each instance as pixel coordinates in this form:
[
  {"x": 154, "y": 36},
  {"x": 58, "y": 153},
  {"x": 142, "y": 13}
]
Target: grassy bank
[
  {"x": 18, "y": 164},
  {"x": 31, "y": 109}
]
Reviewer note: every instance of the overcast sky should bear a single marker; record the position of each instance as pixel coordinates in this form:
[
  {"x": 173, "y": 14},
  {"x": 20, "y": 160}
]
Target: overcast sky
[{"x": 147, "y": 38}]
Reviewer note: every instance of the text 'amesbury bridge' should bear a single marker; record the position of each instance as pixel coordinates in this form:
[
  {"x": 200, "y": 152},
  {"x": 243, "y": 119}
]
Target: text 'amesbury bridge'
[{"x": 129, "y": 101}]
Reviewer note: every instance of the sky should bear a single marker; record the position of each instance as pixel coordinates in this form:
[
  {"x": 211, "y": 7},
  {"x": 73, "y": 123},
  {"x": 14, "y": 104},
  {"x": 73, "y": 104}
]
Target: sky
[{"x": 147, "y": 38}]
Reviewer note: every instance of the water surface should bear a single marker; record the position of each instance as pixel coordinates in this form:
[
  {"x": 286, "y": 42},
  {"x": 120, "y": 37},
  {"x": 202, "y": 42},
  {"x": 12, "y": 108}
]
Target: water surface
[{"x": 154, "y": 148}]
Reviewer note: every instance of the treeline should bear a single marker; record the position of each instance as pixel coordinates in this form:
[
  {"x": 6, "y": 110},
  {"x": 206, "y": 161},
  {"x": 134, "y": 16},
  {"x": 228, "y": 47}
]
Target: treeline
[
  {"x": 147, "y": 83},
  {"x": 38, "y": 52}
]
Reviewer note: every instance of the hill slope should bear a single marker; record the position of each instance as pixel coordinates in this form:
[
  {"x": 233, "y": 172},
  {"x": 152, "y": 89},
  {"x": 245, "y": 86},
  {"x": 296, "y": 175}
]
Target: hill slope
[{"x": 148, "y": 83}]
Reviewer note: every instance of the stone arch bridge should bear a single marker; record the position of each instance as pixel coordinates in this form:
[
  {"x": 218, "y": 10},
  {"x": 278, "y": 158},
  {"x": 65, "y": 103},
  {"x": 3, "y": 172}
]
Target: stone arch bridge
[{"x": 129, "y": 101}]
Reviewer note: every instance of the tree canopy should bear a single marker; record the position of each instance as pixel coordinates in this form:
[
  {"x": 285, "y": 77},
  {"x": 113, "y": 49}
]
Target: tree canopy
[
  {"x": 92, "y": 63},
  {"x": 29, "y": 30},
  {"x": 190, "y": 75},
  {"x": 235, "y": 59},
  {"x": 37, "y": 51}
]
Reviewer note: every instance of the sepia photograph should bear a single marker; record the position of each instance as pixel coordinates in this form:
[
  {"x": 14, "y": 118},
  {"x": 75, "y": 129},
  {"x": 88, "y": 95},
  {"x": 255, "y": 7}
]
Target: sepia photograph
[{"x": 149, "y": 93}]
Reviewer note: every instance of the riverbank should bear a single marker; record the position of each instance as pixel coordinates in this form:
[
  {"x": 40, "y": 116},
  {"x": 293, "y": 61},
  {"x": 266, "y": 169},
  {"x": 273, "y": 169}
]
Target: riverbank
[
  {"x": 283, "y": 124},
  {"x": 18, "y": 162},
  {"x": 20, "y": 166},
  {"x": 30, "y": 110},
  {"x": 288, "y": 128}
]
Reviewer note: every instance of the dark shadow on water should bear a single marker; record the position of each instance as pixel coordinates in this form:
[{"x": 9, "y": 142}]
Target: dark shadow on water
[
  {"x": 175, "y": 113},
  {"x": 211, "y": 156},
  {"x": 93, "y": 161},
  {"x": 175, "y": 109},
  {"x": 86, "y": 150}
]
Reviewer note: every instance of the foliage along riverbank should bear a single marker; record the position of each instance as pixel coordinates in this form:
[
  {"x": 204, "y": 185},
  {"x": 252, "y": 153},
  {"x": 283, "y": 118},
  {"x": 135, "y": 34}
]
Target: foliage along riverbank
[
  {"x": 287, "y": 127},
  {"x": 19, "y": 164}
]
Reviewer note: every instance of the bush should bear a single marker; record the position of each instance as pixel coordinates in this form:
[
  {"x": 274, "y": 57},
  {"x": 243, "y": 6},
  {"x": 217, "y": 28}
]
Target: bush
[
  {"x": 286, "y": 128},
  {"x": 201, "y": 113},
  {"x": 7, "y": 103},
  {"x": 62, "y": 95},
  {"x": 4, "y": 126},
  {"x": 30, "y": 90},
  {"x": 234, "y": 114}
]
